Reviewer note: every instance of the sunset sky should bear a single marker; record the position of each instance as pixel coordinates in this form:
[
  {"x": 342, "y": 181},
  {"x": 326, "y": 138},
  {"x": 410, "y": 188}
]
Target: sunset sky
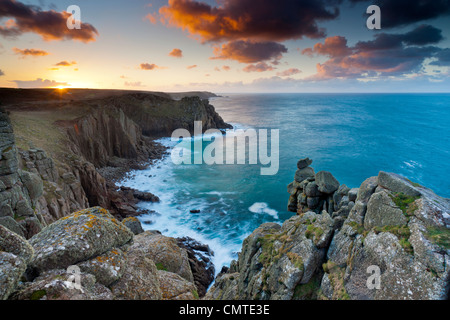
[{"x": 227, "y": 45}]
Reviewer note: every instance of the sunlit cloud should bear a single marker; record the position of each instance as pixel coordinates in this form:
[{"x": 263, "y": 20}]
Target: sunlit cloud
[
  {"x": 259, "y": 67},
  {"x": 191, "y": 67},
  {"x": 148, "y": 66},
  {"x": 176, "y": 53},
  {"x": 65, "y": 63},
  {"x": 30, "y": 52}
]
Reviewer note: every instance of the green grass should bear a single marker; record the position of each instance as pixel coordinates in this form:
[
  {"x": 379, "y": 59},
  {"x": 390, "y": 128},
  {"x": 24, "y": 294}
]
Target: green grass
[
  {"x": 160, "y": 266},
  {"x": 336, "y": 276},
  {"x": 308, "y": 291},
  {"x": 38, "y": 295},
  {"x": 405, "y": 203},
  {"x": 439, "y": 236}
]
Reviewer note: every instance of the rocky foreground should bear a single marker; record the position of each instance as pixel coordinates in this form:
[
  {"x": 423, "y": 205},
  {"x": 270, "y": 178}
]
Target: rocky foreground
[
  {"x": 339, "y": 235},
  {"x": 113, "y": 262}
]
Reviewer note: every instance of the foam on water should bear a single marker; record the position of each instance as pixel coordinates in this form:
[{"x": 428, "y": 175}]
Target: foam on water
[
  {"x": 263, "y": 208},
  {"x": 172, "y": 215}
]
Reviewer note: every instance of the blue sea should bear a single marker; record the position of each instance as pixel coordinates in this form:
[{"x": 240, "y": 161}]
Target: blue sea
[{"x": 354, "y": 136}]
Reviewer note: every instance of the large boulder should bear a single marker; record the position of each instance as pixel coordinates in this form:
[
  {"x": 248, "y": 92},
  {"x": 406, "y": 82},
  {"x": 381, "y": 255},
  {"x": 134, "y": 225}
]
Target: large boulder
[
  {"x": 397, "y": 183},
  {"x": 57, "y": 285},
  {"x": 303, "y": 174},
  {"x": 76, "y": 238},
  {"x": 382, "y": 211},
  {"x": 133, "y": 224},
  {"x": 107, "y": 268},
  {"x": 164, "y": 252},
  {"x": 174, "y": 287},
  {"x": 140, "y": 280},
  {"x": 303, "y": 163},
  {"x": 326, "y": 182}
]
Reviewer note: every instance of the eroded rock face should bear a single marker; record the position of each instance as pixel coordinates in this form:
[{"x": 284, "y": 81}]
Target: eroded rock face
[
  {"x": 275, "y": 260},
  {"x": 200, "y": 257}
]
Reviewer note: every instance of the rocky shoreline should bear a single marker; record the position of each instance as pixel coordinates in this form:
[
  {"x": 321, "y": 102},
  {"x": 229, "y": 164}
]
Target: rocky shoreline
[{"x": 338, "y": 236}]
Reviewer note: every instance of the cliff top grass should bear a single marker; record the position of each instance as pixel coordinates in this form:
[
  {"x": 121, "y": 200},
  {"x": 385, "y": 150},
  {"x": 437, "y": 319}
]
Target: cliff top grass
[{"x": 439, "y": 236}]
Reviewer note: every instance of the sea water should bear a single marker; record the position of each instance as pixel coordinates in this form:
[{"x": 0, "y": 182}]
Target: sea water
[{"x": 354, "y": 136}]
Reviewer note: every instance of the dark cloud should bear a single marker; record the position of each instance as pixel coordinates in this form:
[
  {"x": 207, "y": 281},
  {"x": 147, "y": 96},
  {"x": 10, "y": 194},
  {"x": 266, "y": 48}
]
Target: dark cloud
[
  {"x": 50, "y": 25},
  {"x": 443, "y": 58},
  {"x": 249, "y": 51},
  {"x": 30, "y": 52},
  {"x": 397, "y": 13},
  {"x": 1, "y": 73},
  {"x": 386, "y": 55},
  {"x": 39, "y": 83},
  {"x": 264, "y": 20},
  {"x": 420, "y": 36}
]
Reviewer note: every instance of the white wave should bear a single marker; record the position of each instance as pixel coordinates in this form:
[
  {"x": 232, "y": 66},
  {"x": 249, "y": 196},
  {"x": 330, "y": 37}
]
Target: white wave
[{"x": 263, "y": 208}]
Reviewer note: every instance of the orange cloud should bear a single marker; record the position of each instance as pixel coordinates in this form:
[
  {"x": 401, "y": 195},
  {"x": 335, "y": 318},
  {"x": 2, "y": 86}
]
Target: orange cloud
[
  {"x": 264, "y": 20},
  {"x": 30, "y": 52},
  {"x": 176, "y": 53},
  {"x": 191, "y": 67},
  {"x": 259, "y": 67},
  {"x": 148, "y": 66},
  {"x": 65, "y": 64}
]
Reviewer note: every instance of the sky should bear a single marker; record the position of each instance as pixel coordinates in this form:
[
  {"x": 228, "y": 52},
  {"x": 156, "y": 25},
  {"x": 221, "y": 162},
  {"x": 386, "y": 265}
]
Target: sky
[{"x": 227, "y": 46}]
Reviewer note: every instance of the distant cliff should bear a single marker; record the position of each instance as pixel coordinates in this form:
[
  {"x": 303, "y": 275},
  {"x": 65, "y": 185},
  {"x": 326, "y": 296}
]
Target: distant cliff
[{"x": 340, "y": 237}]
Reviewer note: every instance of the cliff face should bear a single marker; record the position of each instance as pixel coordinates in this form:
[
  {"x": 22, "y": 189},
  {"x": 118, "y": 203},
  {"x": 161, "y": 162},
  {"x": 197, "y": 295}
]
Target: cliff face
[
  {"x": 159, "y": 116},
  {"x": 20, "y": 191},
  {"x": 340, "y": 237},
  {"x": 73, "y": 147}
]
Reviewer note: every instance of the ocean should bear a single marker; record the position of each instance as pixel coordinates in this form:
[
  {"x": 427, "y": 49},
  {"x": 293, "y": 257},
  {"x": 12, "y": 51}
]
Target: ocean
[{"x": 354, "y": 136}]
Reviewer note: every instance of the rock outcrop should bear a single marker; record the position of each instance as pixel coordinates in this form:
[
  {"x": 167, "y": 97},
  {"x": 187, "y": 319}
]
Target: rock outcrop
[
  {"x": 94, "y": 251},
  {"x": 388, "y": 239}
]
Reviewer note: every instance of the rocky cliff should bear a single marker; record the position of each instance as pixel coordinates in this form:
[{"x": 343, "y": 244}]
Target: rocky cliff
[
  {"x": 340, "y": 238},
  {"x": 68, "y": 148},
  {"x": 63, "y": 156}
]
